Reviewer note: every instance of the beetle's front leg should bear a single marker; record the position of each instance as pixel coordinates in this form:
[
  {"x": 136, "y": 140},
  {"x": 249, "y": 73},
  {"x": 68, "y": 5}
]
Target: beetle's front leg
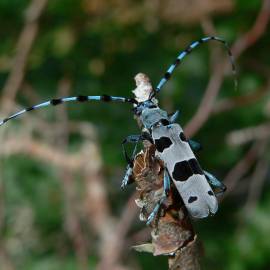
[
  {"x": 166, "y": 190},
  {"x": 213, "y": 181},
  {"x": 129, "y": 139},
  {"x": 132, "y": 139}
]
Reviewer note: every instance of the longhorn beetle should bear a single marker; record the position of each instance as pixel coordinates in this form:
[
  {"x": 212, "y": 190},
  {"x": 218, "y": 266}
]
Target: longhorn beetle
[{"x": 172, "y": 147}]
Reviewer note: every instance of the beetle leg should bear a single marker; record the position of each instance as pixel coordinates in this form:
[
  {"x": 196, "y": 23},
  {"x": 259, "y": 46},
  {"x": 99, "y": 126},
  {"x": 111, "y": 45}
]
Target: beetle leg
[
  {"x": 195, "y": 146},
  {"x": 213, "y": 181},
  {"x": 166, "y": 190}
]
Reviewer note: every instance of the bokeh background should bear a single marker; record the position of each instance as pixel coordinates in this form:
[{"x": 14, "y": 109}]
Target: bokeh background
[{"x": 61, "y": 206}]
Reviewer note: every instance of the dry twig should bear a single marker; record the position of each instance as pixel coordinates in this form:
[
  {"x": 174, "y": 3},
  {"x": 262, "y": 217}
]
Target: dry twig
[
  {"x": 245, "y": 135},
  {"x": 24, "y": 45},
  {"x": 256, "y": 185},
  {"x": 242, "y": 167},
  {"x": 240, "y": 101},
  {"x": 248, "y": 39},
  {"x": 172, "y": 232}
]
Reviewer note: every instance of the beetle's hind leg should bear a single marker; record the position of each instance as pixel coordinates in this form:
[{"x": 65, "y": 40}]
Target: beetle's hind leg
[
  {"x": 166, "y": 189},
  {"x": 213, "y": 181},
  {"x": 195, "y": 146}
]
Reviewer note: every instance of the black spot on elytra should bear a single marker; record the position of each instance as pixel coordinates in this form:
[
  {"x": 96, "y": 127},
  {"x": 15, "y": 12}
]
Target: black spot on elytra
[
  {"x": 182, "y": 171},
  {"x": 82, "y": 98},
  {"x": 211, "y": 193},
  {"x": 195, "y": 166},
  {"x": 56, "y": 101},
  {"x": 182, "y": 137},
  {"x": 185, "y": 169},
  {"x": 192, "y": 199},
  {"x": 163, "y": 143}
]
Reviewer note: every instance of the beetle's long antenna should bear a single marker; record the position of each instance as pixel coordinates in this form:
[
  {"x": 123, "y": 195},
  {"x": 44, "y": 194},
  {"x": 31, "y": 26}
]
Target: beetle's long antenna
[
  {"x": 58, "y": 101},
  {"x": 187, "y": 51}
]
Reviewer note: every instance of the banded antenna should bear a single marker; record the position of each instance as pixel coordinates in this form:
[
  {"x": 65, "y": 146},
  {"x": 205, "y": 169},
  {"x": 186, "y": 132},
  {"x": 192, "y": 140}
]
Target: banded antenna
[
  {"x": 58, "y": 101},
  {"x": 187, "y": 51}
]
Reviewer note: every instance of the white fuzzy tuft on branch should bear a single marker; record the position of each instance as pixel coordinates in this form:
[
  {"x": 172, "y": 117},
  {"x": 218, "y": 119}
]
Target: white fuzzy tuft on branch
[{"x": 144, "y": 87}]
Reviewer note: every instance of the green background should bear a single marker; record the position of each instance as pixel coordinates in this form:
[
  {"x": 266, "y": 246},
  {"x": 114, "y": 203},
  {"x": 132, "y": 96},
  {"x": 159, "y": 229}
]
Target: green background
[{"x": 98, "y": 47}]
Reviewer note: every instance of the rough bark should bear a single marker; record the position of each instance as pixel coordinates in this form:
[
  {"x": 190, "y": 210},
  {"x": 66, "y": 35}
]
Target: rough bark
[{"x": 172, "y": 232}]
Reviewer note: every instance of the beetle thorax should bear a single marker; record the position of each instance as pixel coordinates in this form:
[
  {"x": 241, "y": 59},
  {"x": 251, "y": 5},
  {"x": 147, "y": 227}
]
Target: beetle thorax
[{"x": 153, "y": 116}]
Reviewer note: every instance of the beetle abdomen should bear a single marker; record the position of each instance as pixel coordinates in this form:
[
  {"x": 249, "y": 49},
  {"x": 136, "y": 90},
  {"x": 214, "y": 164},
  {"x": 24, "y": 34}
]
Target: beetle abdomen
[{"x": 173, "y": 148}]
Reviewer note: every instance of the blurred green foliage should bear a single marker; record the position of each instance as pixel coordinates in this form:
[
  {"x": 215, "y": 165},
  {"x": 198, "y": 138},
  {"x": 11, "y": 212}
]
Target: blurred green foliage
[{"x": 101, "y": 53}]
